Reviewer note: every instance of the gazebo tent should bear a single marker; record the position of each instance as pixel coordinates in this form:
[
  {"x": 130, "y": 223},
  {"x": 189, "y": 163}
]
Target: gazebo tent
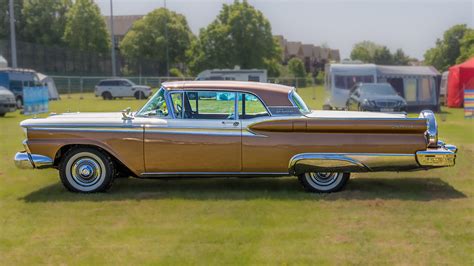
[
  {"x": 460, "y": 76},
  {"x": 419, "y": 85}
]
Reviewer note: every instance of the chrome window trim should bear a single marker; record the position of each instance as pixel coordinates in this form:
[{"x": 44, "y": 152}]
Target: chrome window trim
[
  {"x": 232, "y": 90},
  {"x": 170, "y": 93}
]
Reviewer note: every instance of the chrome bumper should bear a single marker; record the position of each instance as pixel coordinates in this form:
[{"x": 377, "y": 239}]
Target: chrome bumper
[
  {"x": 26, "y": 160},
  {"x": 442, "y": 156}
]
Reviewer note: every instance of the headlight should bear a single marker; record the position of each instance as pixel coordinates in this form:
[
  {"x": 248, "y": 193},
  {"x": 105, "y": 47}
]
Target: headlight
[
  {"x": 369, "y": 103},
  {"x": 25, "y": 131}
]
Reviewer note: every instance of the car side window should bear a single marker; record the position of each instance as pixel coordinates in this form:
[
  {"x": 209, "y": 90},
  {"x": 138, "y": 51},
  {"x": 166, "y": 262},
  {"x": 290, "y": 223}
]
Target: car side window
[
  {"x": 250, "y": 106},
  {"x": 177, "y": 100},
  {"x": 209, "y": 105}
]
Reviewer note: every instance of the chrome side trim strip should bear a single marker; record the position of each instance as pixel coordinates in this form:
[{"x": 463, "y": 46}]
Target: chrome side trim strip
[
  {"x": 212, "y": 174},
  {"x": 91, "y": 129},
  {"x": 351, "y": 162}
]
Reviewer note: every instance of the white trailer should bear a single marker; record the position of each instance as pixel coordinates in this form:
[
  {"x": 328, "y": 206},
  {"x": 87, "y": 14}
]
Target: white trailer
[
  {"x": 340, "y": 78},
  {"x": 257, "y": 75}
]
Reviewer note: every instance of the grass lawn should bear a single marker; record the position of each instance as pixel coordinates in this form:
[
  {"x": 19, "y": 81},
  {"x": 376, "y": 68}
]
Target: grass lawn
[{"x": 381, "y": 218}]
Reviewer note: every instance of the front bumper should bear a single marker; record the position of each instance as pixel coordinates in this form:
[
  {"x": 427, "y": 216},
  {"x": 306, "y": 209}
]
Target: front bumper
[
  {"x": 442, "y": 156},
  {"x": 27, "y": 160}
]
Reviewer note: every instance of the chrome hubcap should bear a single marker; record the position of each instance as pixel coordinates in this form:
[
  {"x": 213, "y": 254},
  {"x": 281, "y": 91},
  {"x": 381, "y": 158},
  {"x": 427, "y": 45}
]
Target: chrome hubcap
[
  {"x": 86, "y": 171},
  {"x": 323, "y": 179}
]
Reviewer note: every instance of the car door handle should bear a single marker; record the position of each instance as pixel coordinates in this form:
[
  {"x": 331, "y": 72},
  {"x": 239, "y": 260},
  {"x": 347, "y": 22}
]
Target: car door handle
[{"x": 233, "y": 123}]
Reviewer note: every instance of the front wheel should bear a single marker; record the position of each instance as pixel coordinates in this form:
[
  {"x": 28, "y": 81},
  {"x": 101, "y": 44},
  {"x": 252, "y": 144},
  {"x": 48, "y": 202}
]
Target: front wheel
[
  {"x": 86, "y": 170},
  {"x": 323, "y": 182}
]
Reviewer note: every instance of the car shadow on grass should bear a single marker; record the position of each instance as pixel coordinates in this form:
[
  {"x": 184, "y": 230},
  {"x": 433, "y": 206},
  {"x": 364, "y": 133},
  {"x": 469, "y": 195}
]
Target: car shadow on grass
[{"x": 418, "y": 189}]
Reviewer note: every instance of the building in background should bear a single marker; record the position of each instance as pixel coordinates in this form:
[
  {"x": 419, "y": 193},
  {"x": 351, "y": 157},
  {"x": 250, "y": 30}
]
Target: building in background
[{"x": 314, "y": 57}]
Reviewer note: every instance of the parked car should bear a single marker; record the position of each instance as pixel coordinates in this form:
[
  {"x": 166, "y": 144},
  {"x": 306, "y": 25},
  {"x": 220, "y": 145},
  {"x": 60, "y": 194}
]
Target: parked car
[
  {"x": 7, "y": 101},
  {"x": 118, "y": 88},
  {"x": 263, "y": 130},
  {"x": 377, "y": 97}
]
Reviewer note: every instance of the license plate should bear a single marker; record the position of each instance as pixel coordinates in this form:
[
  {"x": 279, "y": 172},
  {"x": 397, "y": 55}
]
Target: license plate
[{"x": 386, "y": 109}]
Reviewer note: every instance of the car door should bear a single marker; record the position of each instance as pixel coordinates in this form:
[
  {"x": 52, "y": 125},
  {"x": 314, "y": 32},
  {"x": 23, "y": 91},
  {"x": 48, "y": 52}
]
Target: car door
[
  {"x": 202, "y": 134},
  {"x": 124, "y": 88}
]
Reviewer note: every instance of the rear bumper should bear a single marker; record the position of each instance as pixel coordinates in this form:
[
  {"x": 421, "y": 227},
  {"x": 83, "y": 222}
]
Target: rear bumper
[
  {"x": 27, "y": 160},
  {"x": 442, "y": 156}
]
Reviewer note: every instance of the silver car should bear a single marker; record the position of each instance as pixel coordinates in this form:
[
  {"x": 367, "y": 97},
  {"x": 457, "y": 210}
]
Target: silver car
[{"x": 7, "y": 101}]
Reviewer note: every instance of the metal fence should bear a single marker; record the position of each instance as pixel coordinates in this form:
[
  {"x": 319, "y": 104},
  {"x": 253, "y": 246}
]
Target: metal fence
[
  {"x": 86, "y": 84},
  {"x": 56, "y": 60}
]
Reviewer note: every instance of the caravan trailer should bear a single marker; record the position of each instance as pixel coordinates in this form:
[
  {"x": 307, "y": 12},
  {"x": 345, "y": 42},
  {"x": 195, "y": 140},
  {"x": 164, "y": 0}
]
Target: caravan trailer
[
  {"x": 340, "y": 78},
  {"x": 257, "y": 75},
  {"x": 418, "y": 85}
]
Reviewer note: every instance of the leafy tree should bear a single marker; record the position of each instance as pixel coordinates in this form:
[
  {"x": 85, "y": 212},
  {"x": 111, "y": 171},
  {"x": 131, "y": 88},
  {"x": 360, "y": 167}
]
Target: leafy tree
[
  {"x": 5, "y": 18},
  {"x": 296, "y": 67},
  {"x": 400, "y": 58},
  {"x": 85, "y": 28},
  {"x": 240, "y": 35},
  {"x": 45, "y": 21},
  {"x": 147, "y": 38},
  {"x": 371, "y": 52},
  {"x": 467, "y": 47},
  {"x": 382, "y": 56},
  {"x": 447, "y": 50},
  {"x": 364, "y": 51},
  {"x": 174, "y": 72}
]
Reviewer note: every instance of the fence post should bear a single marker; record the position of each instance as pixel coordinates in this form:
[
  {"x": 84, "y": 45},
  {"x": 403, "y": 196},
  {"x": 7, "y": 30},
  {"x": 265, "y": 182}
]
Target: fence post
[
  {"x": 296, "y": 84},
  {"x": 69, "y": 87},
  {"x": 313, "y": 80},
  {"x": 82, "y": 89}
]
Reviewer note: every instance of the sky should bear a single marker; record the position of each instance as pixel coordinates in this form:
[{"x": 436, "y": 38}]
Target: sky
[{"x": 412, "y": 25}]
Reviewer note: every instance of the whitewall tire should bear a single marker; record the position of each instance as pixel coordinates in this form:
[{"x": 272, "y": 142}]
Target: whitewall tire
[
  {"x": 86, "y": 170},
  {"x": 323, "y": 182}
]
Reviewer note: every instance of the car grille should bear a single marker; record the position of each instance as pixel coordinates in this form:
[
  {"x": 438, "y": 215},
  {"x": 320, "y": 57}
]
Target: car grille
[
  {"x": 386, "y": 103},
  {"x": 9, "y": 105}
]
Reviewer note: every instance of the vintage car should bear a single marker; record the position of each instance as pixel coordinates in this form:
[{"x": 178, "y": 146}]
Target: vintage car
[{"x": 229, "y": 129}]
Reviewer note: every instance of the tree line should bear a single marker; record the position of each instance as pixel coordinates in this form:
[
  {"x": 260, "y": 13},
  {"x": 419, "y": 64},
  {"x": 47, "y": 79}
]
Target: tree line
[
  {"x": 456, "y": 46},
  {"x": 239, "y": 35}
]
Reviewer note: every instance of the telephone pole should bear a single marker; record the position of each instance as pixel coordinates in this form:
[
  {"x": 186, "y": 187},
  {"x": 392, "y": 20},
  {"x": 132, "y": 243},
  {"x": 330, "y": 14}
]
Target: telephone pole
[
  {"x": 12, "y": 35},
  {"x": 112, "y": 37},
  {"x": 167, "y": 42}
]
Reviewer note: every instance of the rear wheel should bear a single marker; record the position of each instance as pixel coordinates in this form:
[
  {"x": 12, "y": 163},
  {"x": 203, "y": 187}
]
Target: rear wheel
[
  {"x": 107, "y": 95},
  {"x": 324, "y": 182},
  {"x": 140, "y": 95},
  {"x": 86, "y": 170},
  {"x": 2, "y": 114}
]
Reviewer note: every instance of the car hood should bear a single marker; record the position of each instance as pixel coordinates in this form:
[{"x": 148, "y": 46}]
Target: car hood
[
  {"x": 383, "y": 98},
  {"x": 7, "y": 93},
  {"x": 350, "y": 114},
  {"x": 76, "y": 119}
]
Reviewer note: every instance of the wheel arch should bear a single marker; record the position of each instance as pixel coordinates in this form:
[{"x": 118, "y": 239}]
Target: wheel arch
[{"x": 121, "y": 167}]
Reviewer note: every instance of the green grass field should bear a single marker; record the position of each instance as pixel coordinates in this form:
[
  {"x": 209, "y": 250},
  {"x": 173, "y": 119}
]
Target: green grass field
[{"x": 381, "y": 218}]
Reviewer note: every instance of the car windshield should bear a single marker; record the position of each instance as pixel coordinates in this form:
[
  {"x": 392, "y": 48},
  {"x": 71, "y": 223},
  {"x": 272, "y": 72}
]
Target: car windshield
[
  {"x": 378, "y": 90},
  {"x": 156, "y": 106},
  {"x": 131, "y": 82},
  {"x": 298, "y": 101}
]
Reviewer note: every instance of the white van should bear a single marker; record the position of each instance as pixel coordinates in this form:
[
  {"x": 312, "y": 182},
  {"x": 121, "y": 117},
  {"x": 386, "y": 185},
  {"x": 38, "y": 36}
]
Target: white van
[
  {"x": 340, "y": 78},
  {"x": 443, "y": 87}
]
